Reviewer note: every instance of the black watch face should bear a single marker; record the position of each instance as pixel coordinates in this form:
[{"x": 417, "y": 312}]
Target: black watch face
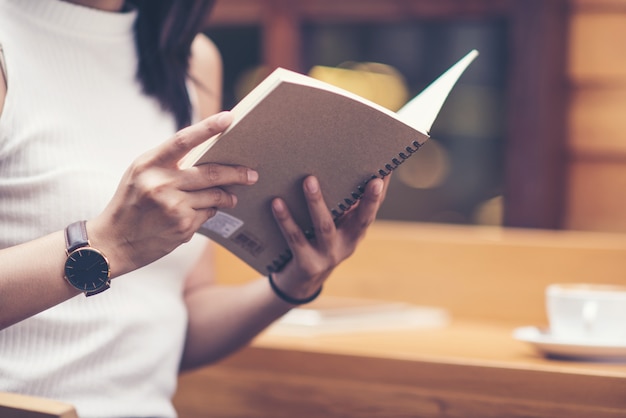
[{"x": 87, "y": 269}]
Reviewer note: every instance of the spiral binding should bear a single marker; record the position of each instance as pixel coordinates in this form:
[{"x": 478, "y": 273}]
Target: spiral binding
[{"x": 284, "y": 258}]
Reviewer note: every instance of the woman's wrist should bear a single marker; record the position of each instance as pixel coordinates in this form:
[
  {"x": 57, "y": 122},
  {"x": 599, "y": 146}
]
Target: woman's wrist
[
  {"x": 290, "y": 296},
  {"x": 118, "y": 258}
]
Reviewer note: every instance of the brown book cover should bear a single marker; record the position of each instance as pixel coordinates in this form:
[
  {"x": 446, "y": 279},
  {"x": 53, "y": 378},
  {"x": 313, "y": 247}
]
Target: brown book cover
[{"x": 291, "y": 126}]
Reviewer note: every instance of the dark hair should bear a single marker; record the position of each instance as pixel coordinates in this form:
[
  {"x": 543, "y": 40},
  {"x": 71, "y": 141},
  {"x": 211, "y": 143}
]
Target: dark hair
[{"x": 164, "y": 31}]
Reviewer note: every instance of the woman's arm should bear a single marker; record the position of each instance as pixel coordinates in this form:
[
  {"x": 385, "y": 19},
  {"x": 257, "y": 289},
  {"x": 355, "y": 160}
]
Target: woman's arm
[
  {"x": 156, "y": 208},
  {"x": 31, "y": 275},
  {"x": 222, "y": 319},
  {"x": 31, "y": 278},
  {"x": 205, "y": 75}
]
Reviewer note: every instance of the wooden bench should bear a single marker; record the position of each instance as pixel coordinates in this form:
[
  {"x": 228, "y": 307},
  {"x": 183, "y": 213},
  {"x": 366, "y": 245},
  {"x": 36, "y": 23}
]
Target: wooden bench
[{"x": 13, "y": 405}]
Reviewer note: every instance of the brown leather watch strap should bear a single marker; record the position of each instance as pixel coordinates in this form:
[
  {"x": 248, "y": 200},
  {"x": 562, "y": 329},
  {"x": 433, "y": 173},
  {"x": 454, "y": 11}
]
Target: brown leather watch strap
[
  {"x": 76, "y": 236},
  {"x": 106, "y": 286}
]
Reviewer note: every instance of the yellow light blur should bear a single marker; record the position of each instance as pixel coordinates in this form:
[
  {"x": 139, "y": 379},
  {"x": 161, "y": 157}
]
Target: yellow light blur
[{"x": 426, "y": 169}]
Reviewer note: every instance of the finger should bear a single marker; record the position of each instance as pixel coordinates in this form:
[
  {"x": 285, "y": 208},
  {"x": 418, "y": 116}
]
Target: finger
[
  {"x": 364, "y": 214},
  {"x": 386, "y": 181},
  {"x": 323, "y": 223},
  {"x": 212, "y": 198},
  {"x": 211, "y": 175},
  {"x": 203, "y": 215},
  {"x": 292, "y": 232},
  {"x": 175, "y": 148}
]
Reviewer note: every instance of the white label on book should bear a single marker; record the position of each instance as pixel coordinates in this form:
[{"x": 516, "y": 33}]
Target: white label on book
[{"x": 223, "y": 224}]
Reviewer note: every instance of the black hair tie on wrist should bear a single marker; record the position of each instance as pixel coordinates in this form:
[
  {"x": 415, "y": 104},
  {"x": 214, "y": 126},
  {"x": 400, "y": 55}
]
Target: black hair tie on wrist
[{"x": 285, "y": 297}]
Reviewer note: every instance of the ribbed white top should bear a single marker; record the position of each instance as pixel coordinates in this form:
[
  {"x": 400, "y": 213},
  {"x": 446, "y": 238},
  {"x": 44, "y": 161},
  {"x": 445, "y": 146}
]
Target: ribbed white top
[{"x": 73, "y": 120}]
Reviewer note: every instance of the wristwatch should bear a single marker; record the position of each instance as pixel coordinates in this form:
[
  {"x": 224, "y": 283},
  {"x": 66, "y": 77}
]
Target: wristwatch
[{"x": 86, "y": 268}]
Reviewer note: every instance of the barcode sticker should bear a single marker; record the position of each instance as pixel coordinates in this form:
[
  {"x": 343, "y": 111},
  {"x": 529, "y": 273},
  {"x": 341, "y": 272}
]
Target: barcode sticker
[{"x": 223, "y": 224}]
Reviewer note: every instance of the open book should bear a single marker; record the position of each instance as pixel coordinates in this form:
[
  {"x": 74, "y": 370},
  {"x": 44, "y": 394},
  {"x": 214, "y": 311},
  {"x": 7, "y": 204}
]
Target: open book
[
  {"x": 340, "y": 315},
  {"x": 291, "y": 126}
]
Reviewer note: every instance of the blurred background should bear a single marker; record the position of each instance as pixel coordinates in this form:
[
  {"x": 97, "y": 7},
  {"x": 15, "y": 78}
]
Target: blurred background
[{"x": 530, "y": 137}]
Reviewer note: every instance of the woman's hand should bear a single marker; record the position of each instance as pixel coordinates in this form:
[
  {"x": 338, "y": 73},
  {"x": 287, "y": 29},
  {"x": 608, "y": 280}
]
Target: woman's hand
[
  {"x": 159, "y": 206},
  {"x": 314, "y": 260}
]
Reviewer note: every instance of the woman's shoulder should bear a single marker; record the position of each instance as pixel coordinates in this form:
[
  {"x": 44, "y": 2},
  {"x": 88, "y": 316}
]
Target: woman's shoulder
[
  {"x": 205, "y": 52},
  {"x": 205, "y": 69}
]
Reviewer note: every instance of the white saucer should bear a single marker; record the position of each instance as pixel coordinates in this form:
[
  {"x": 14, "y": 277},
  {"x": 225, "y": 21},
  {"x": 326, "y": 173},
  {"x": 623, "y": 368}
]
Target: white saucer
[{"x": 550, "y": 345}]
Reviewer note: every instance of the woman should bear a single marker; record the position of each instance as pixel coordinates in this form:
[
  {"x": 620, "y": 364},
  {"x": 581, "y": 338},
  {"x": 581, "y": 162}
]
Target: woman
[{"x": 87, "y": 87}]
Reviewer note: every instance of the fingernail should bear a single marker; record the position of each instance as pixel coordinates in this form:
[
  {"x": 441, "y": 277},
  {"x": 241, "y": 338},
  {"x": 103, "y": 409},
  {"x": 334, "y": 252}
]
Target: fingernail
[
  {"x": 234, "y": 200},
  {"x": 224, "y": 118},
  {"x": 311, "y": 185},
  {"x": 278, "y": 206},
  {"x": 253, "y": 176},
  {"x": 378, "y": 188}
]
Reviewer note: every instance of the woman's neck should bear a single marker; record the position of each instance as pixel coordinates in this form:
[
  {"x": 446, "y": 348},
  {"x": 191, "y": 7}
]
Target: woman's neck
[{"x": 106, "y": 5}]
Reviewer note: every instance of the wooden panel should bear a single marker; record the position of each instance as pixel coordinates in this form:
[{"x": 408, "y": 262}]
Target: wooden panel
[
  {"x": 596, "y": 50},
  {"x": 282, "y": 36},
  {"x": 597, "y": 123},
  {"x": 237, "y": 12},
  {"x": 224, "y": 392},
  {"x": 229, "y": 12},
  {"x": 596, "y": 197},
  {"x": 535, "y": 149},
  {"x": 386, "y": 10},
  {"x": 13, "y": 405},
  {"x": 477, "y": 272},
  {"x": 599, "y": 5},
  {"x": 535, "y": 111},
  {"x": 317, "y": 379}
]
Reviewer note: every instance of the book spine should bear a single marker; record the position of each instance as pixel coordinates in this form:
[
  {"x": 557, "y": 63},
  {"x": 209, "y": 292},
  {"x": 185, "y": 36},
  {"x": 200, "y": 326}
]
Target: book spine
[
  {"x": 383, "y": 172},
  {"x": 348, "y": 202}
]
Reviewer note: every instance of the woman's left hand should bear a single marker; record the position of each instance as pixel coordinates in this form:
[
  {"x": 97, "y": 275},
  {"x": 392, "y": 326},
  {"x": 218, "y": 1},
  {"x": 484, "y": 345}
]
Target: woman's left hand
[{"x": 314, "y": 260}]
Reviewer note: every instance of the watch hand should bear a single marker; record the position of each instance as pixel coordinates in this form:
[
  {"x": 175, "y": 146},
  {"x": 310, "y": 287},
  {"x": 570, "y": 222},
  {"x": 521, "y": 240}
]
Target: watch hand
[{"x": 92, "y": 266}]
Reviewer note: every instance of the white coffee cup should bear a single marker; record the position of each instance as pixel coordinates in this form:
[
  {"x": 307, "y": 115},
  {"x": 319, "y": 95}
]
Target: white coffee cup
[{"x": 590, "y": 313}]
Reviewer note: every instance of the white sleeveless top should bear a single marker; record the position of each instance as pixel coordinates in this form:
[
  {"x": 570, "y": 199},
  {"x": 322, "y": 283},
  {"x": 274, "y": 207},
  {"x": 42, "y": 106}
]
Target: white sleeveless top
[{"x": 74, "y": 118}]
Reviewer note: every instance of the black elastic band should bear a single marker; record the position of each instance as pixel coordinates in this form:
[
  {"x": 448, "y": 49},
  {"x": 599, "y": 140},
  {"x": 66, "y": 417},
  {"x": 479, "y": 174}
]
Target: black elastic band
[{"x": 285, "y": 297}]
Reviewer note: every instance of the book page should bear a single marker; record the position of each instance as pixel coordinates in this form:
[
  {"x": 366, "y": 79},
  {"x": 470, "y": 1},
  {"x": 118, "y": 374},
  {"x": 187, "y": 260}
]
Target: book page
[
  {"x": 340, "y": 315},
  {"x": 239, "y": 111},
  {"x": 292, "y": 126},
  {"x": 421, "y": 111}
]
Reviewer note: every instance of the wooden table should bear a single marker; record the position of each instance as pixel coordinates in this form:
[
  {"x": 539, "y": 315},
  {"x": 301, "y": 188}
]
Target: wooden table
[
  {"x": 491, "y": 280},
  {"x": 469, "y": 369}
]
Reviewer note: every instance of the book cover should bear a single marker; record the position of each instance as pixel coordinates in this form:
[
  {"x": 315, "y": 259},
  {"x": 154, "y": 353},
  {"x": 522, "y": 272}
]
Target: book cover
[{"x": 291, "y": 126}]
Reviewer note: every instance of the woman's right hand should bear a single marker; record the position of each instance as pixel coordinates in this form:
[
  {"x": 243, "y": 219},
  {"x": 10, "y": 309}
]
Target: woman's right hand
[{"x": 159, "y": 206}]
